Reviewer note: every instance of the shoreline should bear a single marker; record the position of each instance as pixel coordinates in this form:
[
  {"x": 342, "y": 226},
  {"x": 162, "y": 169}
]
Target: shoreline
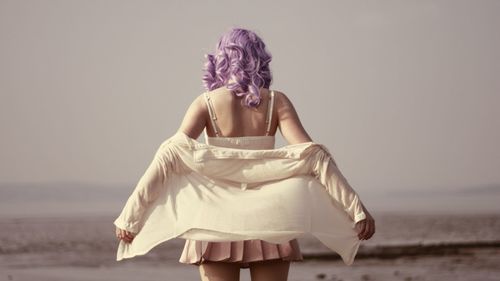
[
  {"x": 405, "y": 248},
  {"x": 410, "y": 250},
  {"x": 481, "y": 264}
]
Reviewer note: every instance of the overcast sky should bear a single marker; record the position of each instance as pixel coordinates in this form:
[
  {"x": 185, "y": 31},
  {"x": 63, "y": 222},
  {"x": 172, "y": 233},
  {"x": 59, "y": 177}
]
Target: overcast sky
[{"x": 406, "y": 94}]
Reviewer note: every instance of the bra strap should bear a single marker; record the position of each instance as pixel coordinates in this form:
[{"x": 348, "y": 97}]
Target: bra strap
[
  {"x": 269, "y": 116},
  {"x": 211, "y": 112}
]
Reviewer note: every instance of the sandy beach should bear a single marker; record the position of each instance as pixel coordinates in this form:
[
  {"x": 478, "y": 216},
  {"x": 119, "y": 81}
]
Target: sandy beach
[{"x": 480, "y": 265}]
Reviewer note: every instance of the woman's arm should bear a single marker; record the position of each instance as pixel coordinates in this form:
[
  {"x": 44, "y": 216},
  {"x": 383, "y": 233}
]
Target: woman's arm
[
  {"x": 288, "y": 121},
  {"x": 337, "y": 186},
  {"x": 195, "y": 118},
  {"x": 150, "y": 183}
]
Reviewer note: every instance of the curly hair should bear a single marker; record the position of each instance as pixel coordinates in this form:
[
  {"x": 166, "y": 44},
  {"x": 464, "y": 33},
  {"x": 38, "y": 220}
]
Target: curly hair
[{"x": 240, "y": 56}]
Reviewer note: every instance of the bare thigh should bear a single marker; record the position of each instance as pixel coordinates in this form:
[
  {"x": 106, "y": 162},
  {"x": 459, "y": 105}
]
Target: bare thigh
[
  {"x": 271, "y": 270},
  {"x": 219, "y": 271}
]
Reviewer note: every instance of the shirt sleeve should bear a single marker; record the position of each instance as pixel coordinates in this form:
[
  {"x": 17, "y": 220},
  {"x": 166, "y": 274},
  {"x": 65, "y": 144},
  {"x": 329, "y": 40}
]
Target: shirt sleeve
[
  {"x": 148, "y": 188},
  {"x": 326, "y": 171}
]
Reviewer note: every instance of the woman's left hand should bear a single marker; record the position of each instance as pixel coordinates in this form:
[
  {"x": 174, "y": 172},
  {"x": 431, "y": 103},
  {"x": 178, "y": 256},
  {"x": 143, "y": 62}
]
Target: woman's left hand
[{"x": 124, "y": 235}]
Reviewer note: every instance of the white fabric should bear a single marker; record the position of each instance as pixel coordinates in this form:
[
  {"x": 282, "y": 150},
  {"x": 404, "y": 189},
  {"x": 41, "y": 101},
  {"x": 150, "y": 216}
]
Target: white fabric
[{"x": 200, "y": 191}]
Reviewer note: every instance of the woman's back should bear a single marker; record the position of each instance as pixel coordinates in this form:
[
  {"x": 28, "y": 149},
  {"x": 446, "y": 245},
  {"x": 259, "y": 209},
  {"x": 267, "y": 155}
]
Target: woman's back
[
  {"x": 237, "y": 115},
  {"x": 232, "y": 119},
  {"x": 236, "y": 120}
]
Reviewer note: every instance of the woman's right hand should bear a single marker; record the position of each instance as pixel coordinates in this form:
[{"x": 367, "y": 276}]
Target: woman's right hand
[{"x": 366, "y": 227}]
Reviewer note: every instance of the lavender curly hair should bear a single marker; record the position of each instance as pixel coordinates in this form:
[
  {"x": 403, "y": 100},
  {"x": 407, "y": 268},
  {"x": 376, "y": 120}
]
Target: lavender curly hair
[{"x": 241, "y": 56}]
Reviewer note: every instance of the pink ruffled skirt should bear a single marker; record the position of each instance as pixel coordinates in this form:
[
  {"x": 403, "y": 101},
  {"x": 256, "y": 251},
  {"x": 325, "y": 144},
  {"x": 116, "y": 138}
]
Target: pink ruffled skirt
[{"x": 242, "y": 252}]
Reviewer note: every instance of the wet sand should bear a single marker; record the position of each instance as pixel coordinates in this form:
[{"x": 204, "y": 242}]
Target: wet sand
[{"x": 479, "y": 264}]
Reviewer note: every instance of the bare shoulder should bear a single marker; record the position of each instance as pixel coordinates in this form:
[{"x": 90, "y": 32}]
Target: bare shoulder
[
  {"x": 194, "y": 120},
  {"x": 282, "y": 101},
  {"x": 288, "y": 120},
  {"x": 199, "y": 104}
]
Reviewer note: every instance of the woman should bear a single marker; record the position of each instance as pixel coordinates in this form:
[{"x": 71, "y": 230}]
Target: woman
[{"x": 240, "y": 111}]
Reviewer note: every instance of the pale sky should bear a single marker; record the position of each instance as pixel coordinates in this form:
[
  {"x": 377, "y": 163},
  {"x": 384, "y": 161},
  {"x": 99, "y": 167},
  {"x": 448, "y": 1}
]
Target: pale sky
[{"x": 405, "y": 94}]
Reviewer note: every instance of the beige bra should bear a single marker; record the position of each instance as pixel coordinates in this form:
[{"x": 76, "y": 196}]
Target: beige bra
[{"x": 213, "y": 117}]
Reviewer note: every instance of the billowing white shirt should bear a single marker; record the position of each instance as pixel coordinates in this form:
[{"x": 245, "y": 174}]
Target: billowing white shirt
[{"x": 199, "y": 191}]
